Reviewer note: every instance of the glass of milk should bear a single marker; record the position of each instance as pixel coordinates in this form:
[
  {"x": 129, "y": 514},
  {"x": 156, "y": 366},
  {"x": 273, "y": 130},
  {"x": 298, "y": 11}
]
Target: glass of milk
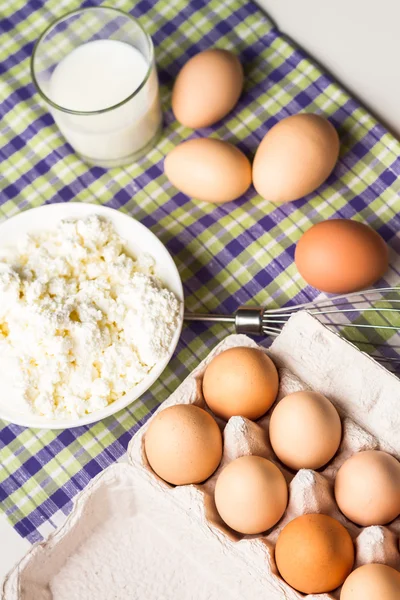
[{"x": 94, "y": 69}]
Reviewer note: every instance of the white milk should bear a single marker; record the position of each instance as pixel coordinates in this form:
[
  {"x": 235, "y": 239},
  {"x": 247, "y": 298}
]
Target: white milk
[{"x": 96, "y": 76}]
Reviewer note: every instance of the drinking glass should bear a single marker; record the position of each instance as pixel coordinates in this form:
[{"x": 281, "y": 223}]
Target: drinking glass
[{"x": 113, "y": 135}]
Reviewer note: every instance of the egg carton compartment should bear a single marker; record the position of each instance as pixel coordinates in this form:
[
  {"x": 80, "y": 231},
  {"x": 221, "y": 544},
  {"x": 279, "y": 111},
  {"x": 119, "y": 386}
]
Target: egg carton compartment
[
  {"x": 126, "y": 539},
  {"x": 129, "y": 529}
]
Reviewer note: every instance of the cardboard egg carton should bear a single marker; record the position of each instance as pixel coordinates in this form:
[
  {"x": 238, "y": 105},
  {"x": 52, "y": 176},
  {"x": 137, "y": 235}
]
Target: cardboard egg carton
[{"x": 131, "y": 534}]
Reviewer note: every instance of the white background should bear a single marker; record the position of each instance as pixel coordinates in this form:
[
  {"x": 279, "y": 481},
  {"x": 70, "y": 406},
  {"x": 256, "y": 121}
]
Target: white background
[{"x": 359, "y": 42}]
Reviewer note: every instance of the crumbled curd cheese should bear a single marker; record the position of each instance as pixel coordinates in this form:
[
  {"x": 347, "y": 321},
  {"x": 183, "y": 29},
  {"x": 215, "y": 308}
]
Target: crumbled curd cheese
[{"x": 81, "y": 322}]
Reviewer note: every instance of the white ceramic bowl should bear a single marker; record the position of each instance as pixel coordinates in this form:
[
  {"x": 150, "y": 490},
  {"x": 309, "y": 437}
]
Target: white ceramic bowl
[{"x": 138, "y": 239}]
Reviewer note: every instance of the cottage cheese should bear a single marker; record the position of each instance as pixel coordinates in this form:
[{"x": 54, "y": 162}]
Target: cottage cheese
[{"x": 81, "y": 322}]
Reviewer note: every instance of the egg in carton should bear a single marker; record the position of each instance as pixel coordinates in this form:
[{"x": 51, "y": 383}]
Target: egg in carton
[{"x": 131, "y": 533}]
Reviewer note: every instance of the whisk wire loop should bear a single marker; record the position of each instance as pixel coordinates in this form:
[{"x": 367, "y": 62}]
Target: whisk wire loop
[{"x": 256, "y": 320}]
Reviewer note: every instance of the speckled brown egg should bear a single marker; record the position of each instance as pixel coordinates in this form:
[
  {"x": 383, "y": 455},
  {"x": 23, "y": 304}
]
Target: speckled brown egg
[
  {"x": 372, "y": 582},
  {"x": 305, "y": 430},
  {"x": 240, "y": 382},
  {"x": 341, "y": 256},
  {"x": 209, "y": 170},
  {"x": 183, "y": 444},
  {"x": 367, "y": 488},
  {"x": 207, "y": 88},
  {"x": 314, "y": 554},
  {"x": 251, "y": 494},
  {"x": 295, "y": 157}
]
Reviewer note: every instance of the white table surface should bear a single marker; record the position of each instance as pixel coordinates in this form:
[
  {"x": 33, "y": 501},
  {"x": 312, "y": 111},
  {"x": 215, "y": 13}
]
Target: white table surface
[
  {"x": 12, "y": 547},
  {"x": 358, "y": 41}
]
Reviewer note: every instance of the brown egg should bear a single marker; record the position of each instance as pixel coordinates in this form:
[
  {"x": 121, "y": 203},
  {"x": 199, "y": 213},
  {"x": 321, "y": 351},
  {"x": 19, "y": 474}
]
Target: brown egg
[
  {"x": 314, "y": 554},
  {"x": 305, "y": 430},
  {"x": 251, "y": 494},
  {"x": 367, "y": 488},
  {"x": 209, "y": 170},
  {"x": 240, "y": 381},
  {"x": 295, "y": 157},
  {"x": 372, "y": 582},
  {"x": 183, "y": 444},
  {"x": 341, "y": 256},
  {"x": 207, "y": 88}
]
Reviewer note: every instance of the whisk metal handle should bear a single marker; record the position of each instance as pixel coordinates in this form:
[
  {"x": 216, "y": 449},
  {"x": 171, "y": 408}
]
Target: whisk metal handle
[
  {"x": 209, "y": 317},
  {"x": 247, "y": 319}
]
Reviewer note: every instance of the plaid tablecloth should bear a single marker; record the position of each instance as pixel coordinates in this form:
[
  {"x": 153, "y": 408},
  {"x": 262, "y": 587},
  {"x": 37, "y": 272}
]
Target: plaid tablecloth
[{"x": 227, "y": 255}]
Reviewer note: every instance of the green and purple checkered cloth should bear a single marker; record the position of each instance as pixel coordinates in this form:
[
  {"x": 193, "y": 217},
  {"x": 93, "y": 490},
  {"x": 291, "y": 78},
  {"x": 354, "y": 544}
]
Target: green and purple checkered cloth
[{"x": 227, "y": 255}]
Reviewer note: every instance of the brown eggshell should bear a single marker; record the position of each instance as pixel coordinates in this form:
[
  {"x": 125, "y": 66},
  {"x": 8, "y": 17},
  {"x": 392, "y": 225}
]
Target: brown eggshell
[
  {"x": 367, "y": 488},
  {"x": 305, "y": 430},
  {"x": 183, "y": 444},
  {"x": 207, "y": 88},
  {"x": 314, "y": 554},
  {"x": 240, "y": 382},
  {"x": 295, "y": 157},
  {"x": 341, "y": 256},
  {"x": 372, "y": 582},
  {"x": 209, "y": 170},
  {"x": 251, "y": 494}
]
